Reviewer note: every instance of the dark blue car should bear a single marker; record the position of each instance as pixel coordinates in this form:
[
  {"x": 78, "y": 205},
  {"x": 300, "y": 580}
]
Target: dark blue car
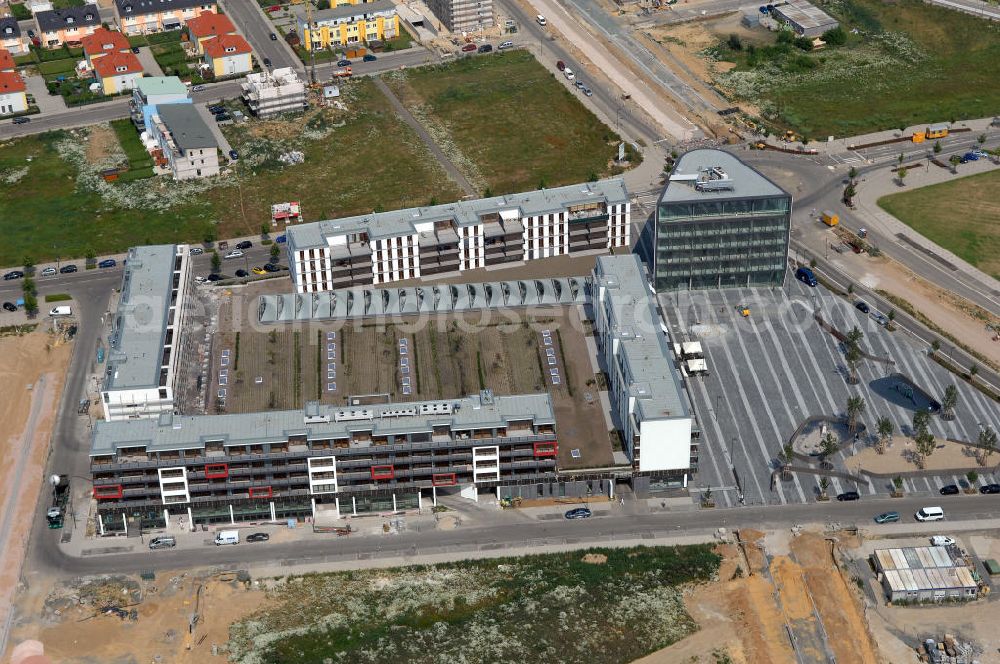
[{"x": 108, "y": 262}]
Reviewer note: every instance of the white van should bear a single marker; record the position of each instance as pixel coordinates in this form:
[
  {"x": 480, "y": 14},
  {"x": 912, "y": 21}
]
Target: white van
[
  {"x": 568, "y": 73},
  {"x": 930, "y": 514},
  {"x": 540, "y": 19},
  {"x": 227, "y": 537},
  {"x": 61, "y": 311}
]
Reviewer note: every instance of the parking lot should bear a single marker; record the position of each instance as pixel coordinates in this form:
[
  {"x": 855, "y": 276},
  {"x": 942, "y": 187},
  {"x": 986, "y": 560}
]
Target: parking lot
[{"x": 776, "y": 367}]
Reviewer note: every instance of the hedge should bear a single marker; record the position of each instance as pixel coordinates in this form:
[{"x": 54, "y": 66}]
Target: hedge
[{"x": 58, "y": 297}]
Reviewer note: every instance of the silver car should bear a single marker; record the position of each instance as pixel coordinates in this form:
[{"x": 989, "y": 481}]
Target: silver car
[
  {"x": 235, "y": 253},
  {"x": 49, "y": 272}
]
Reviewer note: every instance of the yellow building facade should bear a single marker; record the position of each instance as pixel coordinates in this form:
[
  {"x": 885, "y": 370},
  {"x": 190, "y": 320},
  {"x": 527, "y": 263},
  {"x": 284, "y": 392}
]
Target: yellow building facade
[{"x": 351, "y": 24}]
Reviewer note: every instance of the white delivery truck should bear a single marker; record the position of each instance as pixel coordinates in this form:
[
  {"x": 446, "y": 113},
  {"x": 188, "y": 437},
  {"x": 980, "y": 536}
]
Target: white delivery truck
[
  {"x": 58, "y": 312},
  {"x": 227, "y": 537}
]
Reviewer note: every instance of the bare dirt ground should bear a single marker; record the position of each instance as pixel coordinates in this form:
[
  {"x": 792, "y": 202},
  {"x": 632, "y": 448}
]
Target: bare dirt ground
[
  {"x": 901, "y": 457},
  {"x": 37, "y": 360},
  {"x": 101, "y": 143}
]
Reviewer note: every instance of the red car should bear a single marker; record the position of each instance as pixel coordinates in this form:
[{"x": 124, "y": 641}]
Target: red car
[
  {"x": 468, "y": 47},
  {"x": 560, "y": 65}
]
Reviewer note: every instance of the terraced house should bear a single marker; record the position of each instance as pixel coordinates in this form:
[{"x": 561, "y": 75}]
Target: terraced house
[
  {"x": 67, "y": 26},
  {"x": 104, "y": 42},
  {"x": 144, "y": 16},
  {"x": 348, "y": 461},
  {"x": 385, "y": 247},
  {"x": 11, "y": 37},
  {"x": 360, "y": 23}
]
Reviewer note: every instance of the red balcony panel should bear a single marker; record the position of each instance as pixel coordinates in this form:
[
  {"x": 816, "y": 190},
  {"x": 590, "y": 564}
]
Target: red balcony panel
[
  {"x": 443, "y": 479},
  {"x": 108, "y": 491},
  {"x": 547, "y": 449},
  {"x": 383, "y": 472},
  {"x": 261, "y": 492},
  {"x": 216, "y": 471}
]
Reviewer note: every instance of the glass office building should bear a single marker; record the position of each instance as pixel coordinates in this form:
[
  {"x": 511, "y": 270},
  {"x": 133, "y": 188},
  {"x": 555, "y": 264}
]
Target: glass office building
[{"x": 719, "y": 224}]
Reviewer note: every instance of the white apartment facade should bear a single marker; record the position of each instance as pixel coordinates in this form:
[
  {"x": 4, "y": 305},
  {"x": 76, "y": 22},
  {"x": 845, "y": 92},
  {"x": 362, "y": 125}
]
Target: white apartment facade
[
  {"x": 487, "y": 233},
  {"x": 272, "y": 93}
]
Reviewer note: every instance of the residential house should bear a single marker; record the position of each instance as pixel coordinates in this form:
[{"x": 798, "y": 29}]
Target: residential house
[
  {"x": 350, "y": 24},
  {"x": 117, "y": 72},
  {"x": 228, "y": 55},
  {"x": 12, "y": 93},
  {"x": 11, "y": 37},
  {"x": 143, "y": 16},
  {"x": 103, "y": 42},
  {"x": 153, "y": 91},
  {"x": 6, "y": 60},
  {"x": 270, "y": 93},
  {"x": 186, "y": 144},
  {"x": 66, "y": 26},
  {"x": 208, "y": 26}
]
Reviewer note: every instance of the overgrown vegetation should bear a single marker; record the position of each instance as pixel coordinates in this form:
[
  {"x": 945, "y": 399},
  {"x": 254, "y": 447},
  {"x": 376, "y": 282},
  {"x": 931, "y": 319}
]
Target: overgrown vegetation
[{"x": 597, "y": 606}]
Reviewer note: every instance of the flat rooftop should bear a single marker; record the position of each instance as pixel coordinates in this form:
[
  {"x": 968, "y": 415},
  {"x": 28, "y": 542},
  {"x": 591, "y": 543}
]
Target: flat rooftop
[
  {"x": 140, "y": 324},
  {"x": 318, "y": 422},
  {"x": 656, "y": 382},
  {"x": 736, "y": 180},
  {"x": 380, "y": 225}
]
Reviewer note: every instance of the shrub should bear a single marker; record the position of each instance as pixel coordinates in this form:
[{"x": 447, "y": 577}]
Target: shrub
[
  {"x": 58, "y": 297},
  {"x": 835, "y": 37}
]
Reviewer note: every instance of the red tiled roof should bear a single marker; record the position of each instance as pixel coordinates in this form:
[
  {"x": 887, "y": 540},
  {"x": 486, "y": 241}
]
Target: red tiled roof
[
  {"x": 107, "y": 66},
  {"x": 6, "y": 60},
  {"x": 216, "y": 47},
  {"x": 104, "y": 41},
  {"x": 11, "y": 82},
  {"x": 209, "y": 24}
]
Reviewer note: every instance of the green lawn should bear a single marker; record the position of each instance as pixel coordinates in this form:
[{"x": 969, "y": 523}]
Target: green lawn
[
  {"x": 911, "y": 63},
  {"x": 516, "y": 126},
  {"x": 617, "y": 605},
  {"x": 962, "y": 215}
]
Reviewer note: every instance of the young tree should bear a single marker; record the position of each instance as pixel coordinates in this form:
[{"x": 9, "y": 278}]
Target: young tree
[
  {"x": 925, "y": 444},
  {"x": 973, "y": 477},
  {"x": 785, "y": 456},
  {"x": 828, "y": 447},
  {"x": 849, "y": 193},
  {"x": 973, "y": 370},
  {"x": 987, "y": 444},
  {"x": 275, "y": 252},
  {"x": 29, "y": 264},
  {"x": 885, "y": 429},
  {"x": 981, "y": 138},
  {"x": 891, "y": 317},
  {"x": 899, "y": 159},
  {"x": 264, "y": 229},
  {"x": 954, "y": 160},
  {"x": 855, "y": 336},
  {"x": 901, "y": 174},
  {"x": 855, "y": 407},
  {"x": 937, "y": 147},
  {"x": 852, "y": 174},
  {"x": 949, "y": 402},
  {"x": 921, "y": 420},
  {"x": 824, "y": 484},
  {"x": 935, "y": 346},
  {"x": 850, "y": 288},
  {"x": 216, "y": 262},
  {"x": 897, "y": 483}
]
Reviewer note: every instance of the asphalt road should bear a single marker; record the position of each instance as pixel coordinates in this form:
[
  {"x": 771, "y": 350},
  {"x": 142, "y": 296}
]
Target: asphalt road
[{"x": 250, "y": 21}]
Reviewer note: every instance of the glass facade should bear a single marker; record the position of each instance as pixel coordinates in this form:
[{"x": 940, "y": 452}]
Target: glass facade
[{"x": 721, "y": 243}]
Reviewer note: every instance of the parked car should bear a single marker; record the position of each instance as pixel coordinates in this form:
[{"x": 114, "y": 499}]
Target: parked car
[
  {"x": 505, "y": 45},
  {"x": 281, "y": 239},
  {"x": 166, "y": 542},
  {"x": 579, "y": 513},
  {"x": 257, "y": 269},
  {"x": 214, "y": 277},
  {"x": 587, "y": 91},
  {"x": 258, "y": 537},
  {"x": 215, "y": 109},
  {"x": 806, "y": 276},
  {"x": 848, "y": 495},
  {"x": 107, "y": 262},
  {"x": 14, "y": 274},
  {"x": 234, "y": 155},
  {"x": 989, "y": 488},
  {"x": 969, "y": 156},
  {"x": 560, "y": 65},
  {"x": 580, "y": 84},
  {"x": 949, "y": 490},
  {"x": 468, "y": 48},
  {"x": 198, "y": 88},
  {"x": 862, "y": 307},
  {"x": 242, "y": 273},
  {"x": 942, "y": 540},
  {"x": 369, "y": 57},
  {"x": 135, "y": 49},
  {"x": 49, "y": 271},
  {"x": 568, "y": 73},
  {"x": 200, "y": 279},
  {"x": 67, "y": 269},
  {"x": 267, "y": 62},
  {"x": 271, "y": 267},
  {"x": 274, "y": 37},
  {"x": 485, "y": 48},
  {"x": 929, "y": 514},
  {"x": 197, "y": 251},
  {"x": 9, "y": 306},
  {"x": 235, "y": 253},
  {"x": 223, "y": 117},
  {"x": 22, "y": 120},
  {"x": 245, "y": 244},
  {"x": 887, "y": 517},
  {"x": 344, "y": 63}
]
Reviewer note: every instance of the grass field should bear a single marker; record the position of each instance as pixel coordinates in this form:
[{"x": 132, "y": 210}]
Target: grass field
[
  {"x": 911, "y": 63},
  {"x": 962, "y": 215},
  {"x": 516, "y": 128},
  {"x": 595, "y": 607}
]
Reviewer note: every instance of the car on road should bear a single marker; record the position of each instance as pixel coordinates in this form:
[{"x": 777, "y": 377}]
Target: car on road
[
  {"x": 560, "y": 65},
  {"x": 258, "y": 537},
  {"x": 887, "y": 517},
  {"x": 580, "y": 84},
  {"x": 568, "y": 73},
  {"x": 344, "y": 63},
  {"x": 505, "y": 45},
  {"x": 14, "y": 274},
  {"x": 579, "y": 513},
  {"x": 197, "y": 251},
  {"x": 234, "y": 155},
  {"x": 214, "y": 277},
  {"x": 257, "y": 269},
  {"x": 267, "y": 62},
  {"x": 989, "y": 488},
  {"x": 9, "y": 306},
  {"x": 969, "y": 156},
  {"x": 949, "y": 490},
  {"x": 587, "y": 91},
  {"x": 848, "y": 495},
  {"x": 235, "y": 253},
  {"x": 242, "y": 273},
  {"x": 468, "y": 48},
  {"x": 806, "y": 276},
  {"x": 107, "y": 262},
  {"x": 862, "y": 307},
  {"x": 67, "y": 269},
  {"x": 274, "y": 37},
  {"x": 21, "y": 120},
  {"x": 540, "y": 20},
  {"x": 49, "y": 271},
  {"x": 281, "y": 239},
  {"x": 271, "y": 267},
  {"x": 166, "y": 542},
  {"x": 942, "y": 540},
  {"x": 198, "y": 88},
  {"x": 879, "y": 318},
  {"x": 245, "y": 244},
  {"x": 369, "y": 58},
  {"x": 486, "y": 48}
]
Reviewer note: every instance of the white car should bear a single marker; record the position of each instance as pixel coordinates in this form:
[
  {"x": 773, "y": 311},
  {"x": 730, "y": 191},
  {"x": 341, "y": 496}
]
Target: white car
[
  {"x": 235, "y": 253},
  {"x": 942, "y": 540},
  {"x": 48, "y": 272},
  {"x": 568, "y": 73},
  {"x": 201, "y": 280},
  {"x": 505, "y": 45}
]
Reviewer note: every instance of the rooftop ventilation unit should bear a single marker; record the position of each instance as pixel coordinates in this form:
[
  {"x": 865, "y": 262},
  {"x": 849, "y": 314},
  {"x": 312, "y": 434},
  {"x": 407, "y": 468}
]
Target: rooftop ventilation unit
[
  {"x": 714, "y": 178},
  {"x": 354, "y": 414}
]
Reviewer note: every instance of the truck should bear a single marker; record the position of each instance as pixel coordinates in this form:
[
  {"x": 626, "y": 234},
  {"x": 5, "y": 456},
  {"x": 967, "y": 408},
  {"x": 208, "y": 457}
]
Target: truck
[
  {"x": 60, "y": 498},
  {"x": 343, "y": 72},
  {"x": 829, "y": 218},
  {"x": 61, "y": 311}
]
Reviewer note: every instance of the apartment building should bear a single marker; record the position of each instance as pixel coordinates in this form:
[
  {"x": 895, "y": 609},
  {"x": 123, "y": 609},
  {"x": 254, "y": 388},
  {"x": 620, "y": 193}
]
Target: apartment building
[
  {"x": 11, "y": 37},
  {"x": 103, "y": 42},
  {"x": 463, "y": 15},
  {"x": 117, "y": 72},
  {"x": 152, "y": 91},
  {"x": 208, "y": 26},
  {"x": 185, "y": 143},
  {"x": 144, "y": 16},
  {"x": 67, "y": 26},
  {"x": 719, "y": 223},
  {"x": 271, "y": 93},
  {"x": 345, "y": 460},
  {"x": 384, "y": 247},
  {"x": 145, "y": 331},
  {"x": 228, "y": 55},
  {"x": 648, "y": 402},
  {"x": 359, "y": 23}
]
